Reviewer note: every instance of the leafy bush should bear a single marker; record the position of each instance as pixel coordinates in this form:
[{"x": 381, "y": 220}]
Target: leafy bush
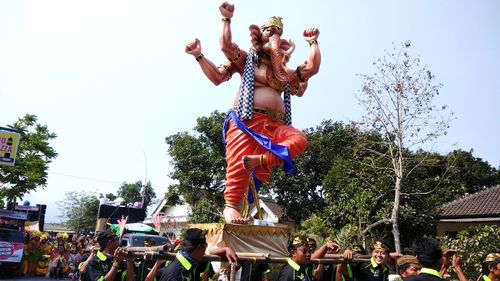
[{"x": 472, "y": 244}]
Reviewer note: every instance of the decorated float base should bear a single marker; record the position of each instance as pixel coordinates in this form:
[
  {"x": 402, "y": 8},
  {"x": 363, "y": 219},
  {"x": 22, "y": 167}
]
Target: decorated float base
[{"x": 269, "y": 241}]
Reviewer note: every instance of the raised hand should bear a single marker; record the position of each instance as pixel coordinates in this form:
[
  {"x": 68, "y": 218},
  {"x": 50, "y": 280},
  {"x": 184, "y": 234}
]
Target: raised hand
[
  {"x": 333, "y": 247},
  {"x": 310, "y": 34},
  {"x": 194, "y": 47},
  {"x": 226, "y": 10},
  {"x": 122, "y": 222}
]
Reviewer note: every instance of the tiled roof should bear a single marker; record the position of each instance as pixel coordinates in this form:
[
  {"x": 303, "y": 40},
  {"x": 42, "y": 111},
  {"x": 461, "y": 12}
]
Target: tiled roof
[
  {"x": 484, "y": 203},
  {"x": 275, "y": 208}
]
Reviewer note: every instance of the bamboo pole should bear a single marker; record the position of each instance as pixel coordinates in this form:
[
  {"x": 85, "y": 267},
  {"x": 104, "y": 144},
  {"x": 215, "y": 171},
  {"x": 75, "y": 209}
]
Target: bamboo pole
[{"x": 159, "y": 253}]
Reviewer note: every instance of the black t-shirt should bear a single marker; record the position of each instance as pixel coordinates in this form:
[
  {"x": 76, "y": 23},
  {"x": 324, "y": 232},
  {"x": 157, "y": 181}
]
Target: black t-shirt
[
  {"x": 100, "y": 265},
  {"x": 299, "y": 273},
  {"x": 141, "y": 269},
  {"x": 181, "y": 269},
  {"x": 258, "y": 271},
  {"x": 370, "y": 271}
]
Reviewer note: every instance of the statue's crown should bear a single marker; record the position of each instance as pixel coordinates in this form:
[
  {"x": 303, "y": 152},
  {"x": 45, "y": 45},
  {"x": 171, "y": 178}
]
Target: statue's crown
[{"x": 273, "y": 21}]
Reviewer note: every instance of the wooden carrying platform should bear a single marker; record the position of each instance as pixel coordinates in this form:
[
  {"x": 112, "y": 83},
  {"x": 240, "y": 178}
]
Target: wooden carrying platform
[{"x": 267, "y": 240}]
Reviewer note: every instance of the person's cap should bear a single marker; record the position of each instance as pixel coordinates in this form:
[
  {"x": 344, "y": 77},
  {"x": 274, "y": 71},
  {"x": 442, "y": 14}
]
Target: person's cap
[
  {"x": 195, "y": 234},
  {"x": 299, "y": 241},
  {"x": 358, "y": 249},
  {"x": 273, "y": 21},
  {"x": 407, "y": 259},
  {"x": 105, "y": 235},
  {"x": 492, "y": 257},
  {"x": 382, "y": 245}
]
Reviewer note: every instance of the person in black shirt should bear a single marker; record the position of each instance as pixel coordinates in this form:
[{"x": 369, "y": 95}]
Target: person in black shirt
[
  {"x": 429, "y": 254},
  {"x": 299, "y": 266},
  {"x": 107, "y": 264},
  {"x": 408, "y": 265},
  {"x": 491, "y": 267},
  {"x": 188, "y": 264},
  {"x": 142, "y": 266},
  {"x": 374, "y": 270}
]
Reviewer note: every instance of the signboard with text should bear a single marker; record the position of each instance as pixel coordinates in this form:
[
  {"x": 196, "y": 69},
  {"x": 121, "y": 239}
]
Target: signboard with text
[{"x": 9, "y": 141}]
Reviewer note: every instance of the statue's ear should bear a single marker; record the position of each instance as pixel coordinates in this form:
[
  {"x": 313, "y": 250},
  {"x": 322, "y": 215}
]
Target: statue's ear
[{"x": 255, "y": 37}]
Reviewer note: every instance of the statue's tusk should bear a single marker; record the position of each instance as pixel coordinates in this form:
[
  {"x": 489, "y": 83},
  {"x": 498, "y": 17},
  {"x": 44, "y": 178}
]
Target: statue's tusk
[{"x": 292, "y": 48}]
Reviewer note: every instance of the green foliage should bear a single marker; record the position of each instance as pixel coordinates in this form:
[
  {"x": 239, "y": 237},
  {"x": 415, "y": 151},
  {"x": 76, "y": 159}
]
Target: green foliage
[
  {"x": 199, "y": 161},
  {"x": 131, "y": 192},
  {"x": 110, "y": 196},
  {"x": 205, "y": 212},
  {"x": 315, "y": 227},
  {"x": 79, "y": 211},
  {"x": 347, "y": 236},
  {"x": 32, "y": 161},
  {"x": 327, "y": 143},
  {"x": 173, "y": 196},
  {"x": 472, "y": 244}
]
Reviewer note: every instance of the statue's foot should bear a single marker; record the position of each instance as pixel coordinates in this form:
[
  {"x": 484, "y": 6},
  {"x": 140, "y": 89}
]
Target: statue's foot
[
  {"x": 233, "y": 216},
  {"x": 250, "y": 162}
]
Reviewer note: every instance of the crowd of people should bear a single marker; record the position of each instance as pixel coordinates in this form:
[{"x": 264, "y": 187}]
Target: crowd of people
[
  {"x": 106, "y": 260},
  {"x": 54, "y": 255},
  {"x": 100, "y": 257}
]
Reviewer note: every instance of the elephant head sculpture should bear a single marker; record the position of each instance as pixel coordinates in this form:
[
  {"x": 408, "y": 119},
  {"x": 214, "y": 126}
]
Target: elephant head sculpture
[{"x": 268, "y": 39}]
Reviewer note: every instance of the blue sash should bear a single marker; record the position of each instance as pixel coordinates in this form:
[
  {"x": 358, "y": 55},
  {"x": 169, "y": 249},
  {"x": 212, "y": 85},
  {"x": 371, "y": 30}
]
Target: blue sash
[{"x": 279, "y": 151}]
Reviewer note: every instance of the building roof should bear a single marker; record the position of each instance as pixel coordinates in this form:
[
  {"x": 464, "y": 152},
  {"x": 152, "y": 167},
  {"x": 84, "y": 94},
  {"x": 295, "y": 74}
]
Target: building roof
[
  {"x": 274, "y": 207},
  {"x": 484, "y": 204}
]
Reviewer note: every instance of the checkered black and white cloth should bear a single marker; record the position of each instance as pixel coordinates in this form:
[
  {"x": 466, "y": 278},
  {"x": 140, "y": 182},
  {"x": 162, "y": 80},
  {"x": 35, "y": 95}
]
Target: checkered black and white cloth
[{"x": 245, "y": 102}]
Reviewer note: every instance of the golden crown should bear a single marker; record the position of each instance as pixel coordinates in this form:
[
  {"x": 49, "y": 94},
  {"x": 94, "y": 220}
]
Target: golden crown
[
  {"x": 492, "y": 257},
  {"x": 273, "y": 21},
  {"x": 380, "y": 245}
]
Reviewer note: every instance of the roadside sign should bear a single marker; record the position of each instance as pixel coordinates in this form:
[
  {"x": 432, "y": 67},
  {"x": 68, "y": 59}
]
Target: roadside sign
[{"x": 9, "y": 141}]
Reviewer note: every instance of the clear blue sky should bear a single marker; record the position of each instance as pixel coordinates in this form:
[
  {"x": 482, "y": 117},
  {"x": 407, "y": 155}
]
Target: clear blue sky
[{"x": 111, "y": 78}]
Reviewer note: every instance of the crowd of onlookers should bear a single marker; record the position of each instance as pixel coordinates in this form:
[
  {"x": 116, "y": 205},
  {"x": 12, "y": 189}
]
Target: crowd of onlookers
[{"x": 55, "y": 255}]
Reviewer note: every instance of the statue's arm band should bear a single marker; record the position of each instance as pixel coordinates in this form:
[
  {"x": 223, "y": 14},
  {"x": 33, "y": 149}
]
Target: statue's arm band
[
  {"x": 297, "y": 71},
  {"x": 238, "y": 54},
  {"x": 227, "y": 69}
]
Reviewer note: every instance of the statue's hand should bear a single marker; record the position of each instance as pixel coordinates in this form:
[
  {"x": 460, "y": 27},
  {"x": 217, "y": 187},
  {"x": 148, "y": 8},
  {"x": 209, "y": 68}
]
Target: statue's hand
[
  {"x": 311, "y": 33},
  {"x": 226, "y": 10},
  {"x": 194, "y": 48}
]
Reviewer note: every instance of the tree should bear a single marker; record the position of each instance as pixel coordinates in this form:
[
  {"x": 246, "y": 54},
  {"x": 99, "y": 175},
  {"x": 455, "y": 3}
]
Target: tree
[
  {"x": 32, "y": 162},
  {"x": 199, "y": 161},
  {"x": 132, "y": 192},
  {"x": 399, "y": 104},
  {"x": 79, "y": 211},
  {"x": 205, "y": 212},
  {"x": 327, "y": 144}
]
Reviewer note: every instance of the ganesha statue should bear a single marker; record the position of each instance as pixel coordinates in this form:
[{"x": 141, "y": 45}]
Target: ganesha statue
[{"x": 258, "y": 130}]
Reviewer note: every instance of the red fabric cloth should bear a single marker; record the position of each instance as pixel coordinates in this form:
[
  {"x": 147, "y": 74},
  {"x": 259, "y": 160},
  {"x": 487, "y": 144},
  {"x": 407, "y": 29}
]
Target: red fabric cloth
[{"x": 239, "y": 144}]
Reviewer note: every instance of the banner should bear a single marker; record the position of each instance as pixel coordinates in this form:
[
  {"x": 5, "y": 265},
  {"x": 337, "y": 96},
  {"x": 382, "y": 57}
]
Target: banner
[
  {"x": 9, "y": 141},
  {"x": 13, "y": 215},
  {"x": 11, "y": 251}
]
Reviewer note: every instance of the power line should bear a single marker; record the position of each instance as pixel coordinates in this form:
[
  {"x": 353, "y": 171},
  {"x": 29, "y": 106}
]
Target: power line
[
  {"x": 84, "y": 178},
  {"x": 93, "y": 179}
]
